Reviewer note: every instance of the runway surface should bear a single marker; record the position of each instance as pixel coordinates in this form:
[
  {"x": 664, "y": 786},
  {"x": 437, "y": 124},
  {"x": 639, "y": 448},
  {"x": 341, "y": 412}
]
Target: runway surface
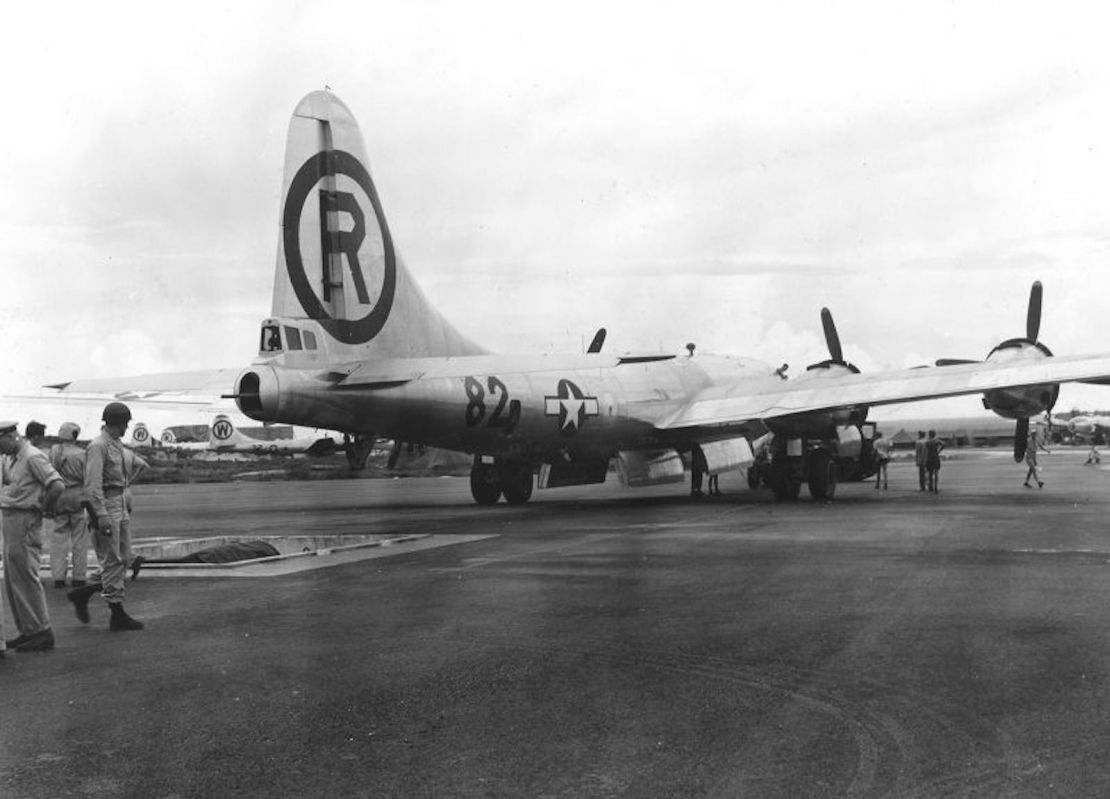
[{"x": 604, "y": 642}]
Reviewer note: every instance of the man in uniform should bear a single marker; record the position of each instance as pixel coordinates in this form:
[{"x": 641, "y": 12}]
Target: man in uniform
[
  {"x": 71, "y": 534},
  {"x": 35, "y": 433},
  {"x": 31, "y": 488},
  {"x": 105, "y": 481}
]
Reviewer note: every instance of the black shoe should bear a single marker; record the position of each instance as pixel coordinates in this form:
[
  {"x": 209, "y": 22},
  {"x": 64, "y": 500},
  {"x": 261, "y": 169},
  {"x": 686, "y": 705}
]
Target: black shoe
[
  {"x": 37, "y": 642},
  {"x": 79, "y": 583},
  {"x": 59, "y": 583},
  {"x": 120, "y": 620},
  {"x": 136, "y": 564},
  {"x": 80, "y": 599},
  {"x": 12, "y": 643}
]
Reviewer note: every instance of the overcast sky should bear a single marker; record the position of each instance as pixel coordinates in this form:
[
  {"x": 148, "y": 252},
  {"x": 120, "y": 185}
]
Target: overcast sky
[{"x": 678, "y": 172}]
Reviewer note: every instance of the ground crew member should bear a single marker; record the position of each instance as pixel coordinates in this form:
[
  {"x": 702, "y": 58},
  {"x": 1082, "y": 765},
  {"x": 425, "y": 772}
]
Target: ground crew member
[
  {"x": 882, "y": 458},
  {"x": 933, "y": 446},
  {"x": 919, "y": 455},
  {"x": 697, "y": 469},
  {"x": 1032, "y": 444},
  {"x": 31, "y": 488},
  {"x": 105, "y": 481},
  {"x": 71, "y": 534}
]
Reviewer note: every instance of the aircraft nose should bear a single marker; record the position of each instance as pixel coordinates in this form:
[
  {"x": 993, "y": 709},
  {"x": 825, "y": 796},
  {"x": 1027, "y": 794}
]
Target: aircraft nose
[{"x": 257, "y": 393}]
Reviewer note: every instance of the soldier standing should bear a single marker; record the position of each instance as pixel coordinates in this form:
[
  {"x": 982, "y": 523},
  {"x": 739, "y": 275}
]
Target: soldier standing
[
  {"x": 105, "y": 481},
  {"x": 71, "y": 534},
  {"x": 919, "y": 456},
  {"x": 31, "y": 488}
]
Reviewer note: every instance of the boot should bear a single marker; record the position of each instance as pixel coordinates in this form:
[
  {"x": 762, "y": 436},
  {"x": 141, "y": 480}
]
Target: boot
[
  {"x": 80, "y": 599},
  {"x": 59, "y": 583},
  {"x": 79, "y": 583},
  {"x": 41, "y": 641},
  {"x": 120, "y": 620}
]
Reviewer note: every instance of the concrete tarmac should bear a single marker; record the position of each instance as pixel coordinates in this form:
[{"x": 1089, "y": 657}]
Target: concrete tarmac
[{"x": 605, "y": 642}]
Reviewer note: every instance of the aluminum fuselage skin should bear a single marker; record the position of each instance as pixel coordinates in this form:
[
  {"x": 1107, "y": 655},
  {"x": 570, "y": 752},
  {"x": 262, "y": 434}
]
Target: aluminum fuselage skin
[{"x": 583, "y": 407}]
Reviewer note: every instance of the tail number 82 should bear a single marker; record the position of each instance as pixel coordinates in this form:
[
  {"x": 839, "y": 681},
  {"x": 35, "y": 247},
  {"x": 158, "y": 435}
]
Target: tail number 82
[{"x": 505, "y": 414}]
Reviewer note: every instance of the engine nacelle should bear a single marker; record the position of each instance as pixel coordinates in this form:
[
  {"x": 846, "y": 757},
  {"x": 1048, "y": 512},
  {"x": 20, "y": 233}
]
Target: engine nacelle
[
  {"x": 819, "y": 424},
  {"x": 1021, "y": 401}
]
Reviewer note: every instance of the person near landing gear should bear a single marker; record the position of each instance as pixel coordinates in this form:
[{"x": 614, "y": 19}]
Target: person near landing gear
[
  {"x": 919, "y": 459},
  {"x": 1032, "y": 444},
  {"x": 697, "y": 470},
  {"x": 933, "y": 447},
  {"x": 882, "y": 458}
]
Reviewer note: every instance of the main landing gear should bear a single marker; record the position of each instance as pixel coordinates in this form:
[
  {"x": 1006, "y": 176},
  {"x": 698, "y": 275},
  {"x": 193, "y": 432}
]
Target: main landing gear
[
  {"x": 816, "y": 467},
  {"x": 357, "y": 449},
  {"x": 490, "y": 481}
]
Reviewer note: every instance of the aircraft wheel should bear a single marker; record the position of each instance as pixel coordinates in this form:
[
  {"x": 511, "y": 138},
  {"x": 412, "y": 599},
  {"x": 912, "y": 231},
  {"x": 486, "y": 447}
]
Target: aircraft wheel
[
  {"x": 516, "y": 483},
  {"x": 485, "y": 486},
  {"x": 822, "y": 476},
  {"x": 783, "y": 484}
]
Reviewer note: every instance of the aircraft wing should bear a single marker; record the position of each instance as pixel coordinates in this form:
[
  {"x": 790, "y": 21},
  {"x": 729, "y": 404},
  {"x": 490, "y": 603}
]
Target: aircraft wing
[
  {"x": 737, "y": 403},
  {"x": 194, "y": 388}
]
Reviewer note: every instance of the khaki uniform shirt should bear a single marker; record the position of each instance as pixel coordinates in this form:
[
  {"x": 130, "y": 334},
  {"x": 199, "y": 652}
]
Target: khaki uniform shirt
[
  {"x": 104, "y": 468},
  {"x": 24, "y": 475},
  {"x": 69, "y": 460}
]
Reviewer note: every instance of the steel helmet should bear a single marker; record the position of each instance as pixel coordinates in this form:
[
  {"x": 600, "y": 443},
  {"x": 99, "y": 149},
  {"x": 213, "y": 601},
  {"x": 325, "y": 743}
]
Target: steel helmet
[{"x": 116, "y": 413}]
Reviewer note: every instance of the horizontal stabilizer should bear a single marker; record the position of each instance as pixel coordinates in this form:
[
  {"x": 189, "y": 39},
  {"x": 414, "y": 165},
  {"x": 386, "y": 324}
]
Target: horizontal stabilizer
[{"x": 202, "y": 387}]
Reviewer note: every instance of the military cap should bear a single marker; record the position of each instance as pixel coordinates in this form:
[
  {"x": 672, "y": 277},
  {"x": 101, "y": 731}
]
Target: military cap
[{"x": 8, "y": 427}]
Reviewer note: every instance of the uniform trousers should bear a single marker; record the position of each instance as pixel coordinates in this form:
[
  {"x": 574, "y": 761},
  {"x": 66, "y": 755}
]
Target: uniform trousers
[
  {"x": 113, "y": 550},
  {"x": 23, "y": 539},
  {"x": 70, "y": 536}
]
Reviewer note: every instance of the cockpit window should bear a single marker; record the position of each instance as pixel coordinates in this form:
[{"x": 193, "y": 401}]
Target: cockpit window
[
  {"x": 293, "y": 337},
  {"x": 309, "y": 340},
  {"x": 271, "y": 339}
]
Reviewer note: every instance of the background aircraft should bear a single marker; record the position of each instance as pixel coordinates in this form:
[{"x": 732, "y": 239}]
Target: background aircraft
[
  {"x": 223, "y": 436},
  {"x": 353, "y": 345}
]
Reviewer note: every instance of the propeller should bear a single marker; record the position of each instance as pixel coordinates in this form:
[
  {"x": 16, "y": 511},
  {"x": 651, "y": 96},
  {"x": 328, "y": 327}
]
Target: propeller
[
  {"x": 598, "y": 341},
  {"x": 1032, "y": 328},
  {"x": 1021, "y": 438},
  {"x": 1032, "y": 332},
  {"x": 831, "y": 336},
  {"x": 832, "y": 340},
  {"x": 1033, "y": 317}
]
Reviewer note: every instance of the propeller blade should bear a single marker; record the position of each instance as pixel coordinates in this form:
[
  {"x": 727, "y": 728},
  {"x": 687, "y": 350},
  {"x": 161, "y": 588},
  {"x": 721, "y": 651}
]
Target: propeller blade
[
  {"x": 1021, "y": 439},
  {"x": 598, "y": 341},
  {"x": 831, "y": 338},
  {"x": 1033, "y": 320},
  {"x": 954, "y": 361}
]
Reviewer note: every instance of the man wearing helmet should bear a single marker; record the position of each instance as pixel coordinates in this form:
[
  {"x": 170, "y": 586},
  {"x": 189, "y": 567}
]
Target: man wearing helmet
[
  {"x": 71, "y": 535},
  {"x": 106, "y": 478}
]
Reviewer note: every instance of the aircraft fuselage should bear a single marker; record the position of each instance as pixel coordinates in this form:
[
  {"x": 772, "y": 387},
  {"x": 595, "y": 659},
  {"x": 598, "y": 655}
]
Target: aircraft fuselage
[{"x": 581, "y": 407}]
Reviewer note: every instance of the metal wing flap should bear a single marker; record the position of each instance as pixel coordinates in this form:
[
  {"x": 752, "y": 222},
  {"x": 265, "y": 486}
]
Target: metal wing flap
[{"x": 736, "y": 403}]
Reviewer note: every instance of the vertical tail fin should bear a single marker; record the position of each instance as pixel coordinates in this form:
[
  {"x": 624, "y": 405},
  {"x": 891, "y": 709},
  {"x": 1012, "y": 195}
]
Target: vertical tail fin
[
  {"x": 223, "y": 433},
  {"x": 140, "y": 436},
  {"x": 336, "y": 260}
]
